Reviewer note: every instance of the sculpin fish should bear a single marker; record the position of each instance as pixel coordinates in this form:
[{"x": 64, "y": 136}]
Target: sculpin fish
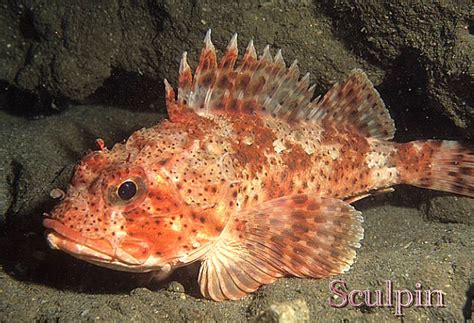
[{"x": 250, "y": 176}]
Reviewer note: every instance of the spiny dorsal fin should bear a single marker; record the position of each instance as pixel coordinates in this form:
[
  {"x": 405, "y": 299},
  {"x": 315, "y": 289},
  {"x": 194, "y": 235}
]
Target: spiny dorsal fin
[
  {"x": 257, "y": 85},
  {"x": 265, "y": 85}
]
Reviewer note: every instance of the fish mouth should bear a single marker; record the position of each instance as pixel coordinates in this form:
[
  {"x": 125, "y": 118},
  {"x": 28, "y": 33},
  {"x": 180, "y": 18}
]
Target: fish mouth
[{"x": 97, "y": 251}]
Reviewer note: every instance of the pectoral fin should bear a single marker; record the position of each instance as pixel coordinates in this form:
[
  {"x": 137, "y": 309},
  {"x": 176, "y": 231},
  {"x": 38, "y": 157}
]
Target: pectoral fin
[{"x": 293, "y": 235}]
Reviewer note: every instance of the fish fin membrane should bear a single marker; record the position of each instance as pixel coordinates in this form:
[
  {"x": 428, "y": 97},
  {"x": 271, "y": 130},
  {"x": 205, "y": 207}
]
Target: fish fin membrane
[
  {"x": 442, "y": 165},
  {"x": 265, "y": 85},
  {"x": 294, "y": 235},
  {"x": 355, "y": 102}
]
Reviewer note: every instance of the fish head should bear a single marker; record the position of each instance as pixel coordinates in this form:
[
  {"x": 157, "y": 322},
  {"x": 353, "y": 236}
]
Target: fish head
[{"x": 122, "y": 213}]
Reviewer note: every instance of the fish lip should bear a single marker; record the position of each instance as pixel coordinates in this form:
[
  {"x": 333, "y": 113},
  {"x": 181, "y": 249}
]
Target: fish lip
[{"x": 96, "y": 251}]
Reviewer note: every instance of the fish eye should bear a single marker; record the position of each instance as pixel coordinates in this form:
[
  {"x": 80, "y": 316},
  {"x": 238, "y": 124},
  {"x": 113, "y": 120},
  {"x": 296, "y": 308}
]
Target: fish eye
[
  {"x": 124, "y": 187},
  {"x": 127, "y": 190}
]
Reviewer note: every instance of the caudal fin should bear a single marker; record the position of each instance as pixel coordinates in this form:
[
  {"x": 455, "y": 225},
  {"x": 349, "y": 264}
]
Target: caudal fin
[{"x": 437, "y": 164}]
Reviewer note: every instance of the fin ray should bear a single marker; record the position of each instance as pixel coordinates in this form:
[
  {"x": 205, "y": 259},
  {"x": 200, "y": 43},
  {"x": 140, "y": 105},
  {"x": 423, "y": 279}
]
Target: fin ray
[
  {"x": 442, "y": 165},
  {"x": 265, "y": 85},
  {"x": 355, "y": 101},
  {"x": 293, "y": 235}
]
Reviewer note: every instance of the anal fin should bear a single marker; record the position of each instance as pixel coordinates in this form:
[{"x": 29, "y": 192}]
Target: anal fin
[{"x": 293, "y": 235}]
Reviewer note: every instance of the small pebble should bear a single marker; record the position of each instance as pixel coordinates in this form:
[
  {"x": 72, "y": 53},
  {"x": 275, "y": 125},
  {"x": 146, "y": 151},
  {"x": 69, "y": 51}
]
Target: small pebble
[
  {"x": 175, "y": 287},
  {"x": 286, "y": 312}
]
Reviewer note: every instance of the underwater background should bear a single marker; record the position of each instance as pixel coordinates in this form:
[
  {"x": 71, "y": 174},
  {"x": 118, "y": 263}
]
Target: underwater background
[{"x": 74, "y": 71}]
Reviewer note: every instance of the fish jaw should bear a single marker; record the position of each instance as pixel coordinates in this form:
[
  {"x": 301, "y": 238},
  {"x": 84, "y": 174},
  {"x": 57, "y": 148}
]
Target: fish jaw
[{"x": 101, "y": 251}]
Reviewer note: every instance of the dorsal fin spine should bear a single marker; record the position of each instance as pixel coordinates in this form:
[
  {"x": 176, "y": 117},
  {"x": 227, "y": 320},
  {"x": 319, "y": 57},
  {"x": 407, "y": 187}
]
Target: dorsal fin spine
[
  {"x": 185, "y": 79},
  {"x": 265, "y": 85}
]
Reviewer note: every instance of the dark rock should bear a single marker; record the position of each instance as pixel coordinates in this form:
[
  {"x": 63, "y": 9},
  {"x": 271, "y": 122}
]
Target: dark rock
[
  {"x": 422, "y": 53},
  {"x": 70, "y": 51},
  {"x": 6, "y": 186},
  {"x": 439, "y": 51},
  {"x": 449, "y": 209}
]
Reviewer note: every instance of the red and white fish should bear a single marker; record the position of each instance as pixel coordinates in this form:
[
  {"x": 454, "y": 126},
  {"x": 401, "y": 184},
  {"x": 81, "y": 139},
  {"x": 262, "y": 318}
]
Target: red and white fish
[{"x": 249, "y": 176}]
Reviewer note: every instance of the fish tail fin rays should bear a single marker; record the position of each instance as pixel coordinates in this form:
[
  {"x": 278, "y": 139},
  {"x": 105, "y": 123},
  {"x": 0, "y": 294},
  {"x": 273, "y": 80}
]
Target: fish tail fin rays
[
  {"x": 294, "y": 235},
  {"x": 442, "y": 165}
]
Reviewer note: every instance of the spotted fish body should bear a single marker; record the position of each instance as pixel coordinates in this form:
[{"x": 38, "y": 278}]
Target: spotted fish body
[{"x": 250, "y": 176}]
